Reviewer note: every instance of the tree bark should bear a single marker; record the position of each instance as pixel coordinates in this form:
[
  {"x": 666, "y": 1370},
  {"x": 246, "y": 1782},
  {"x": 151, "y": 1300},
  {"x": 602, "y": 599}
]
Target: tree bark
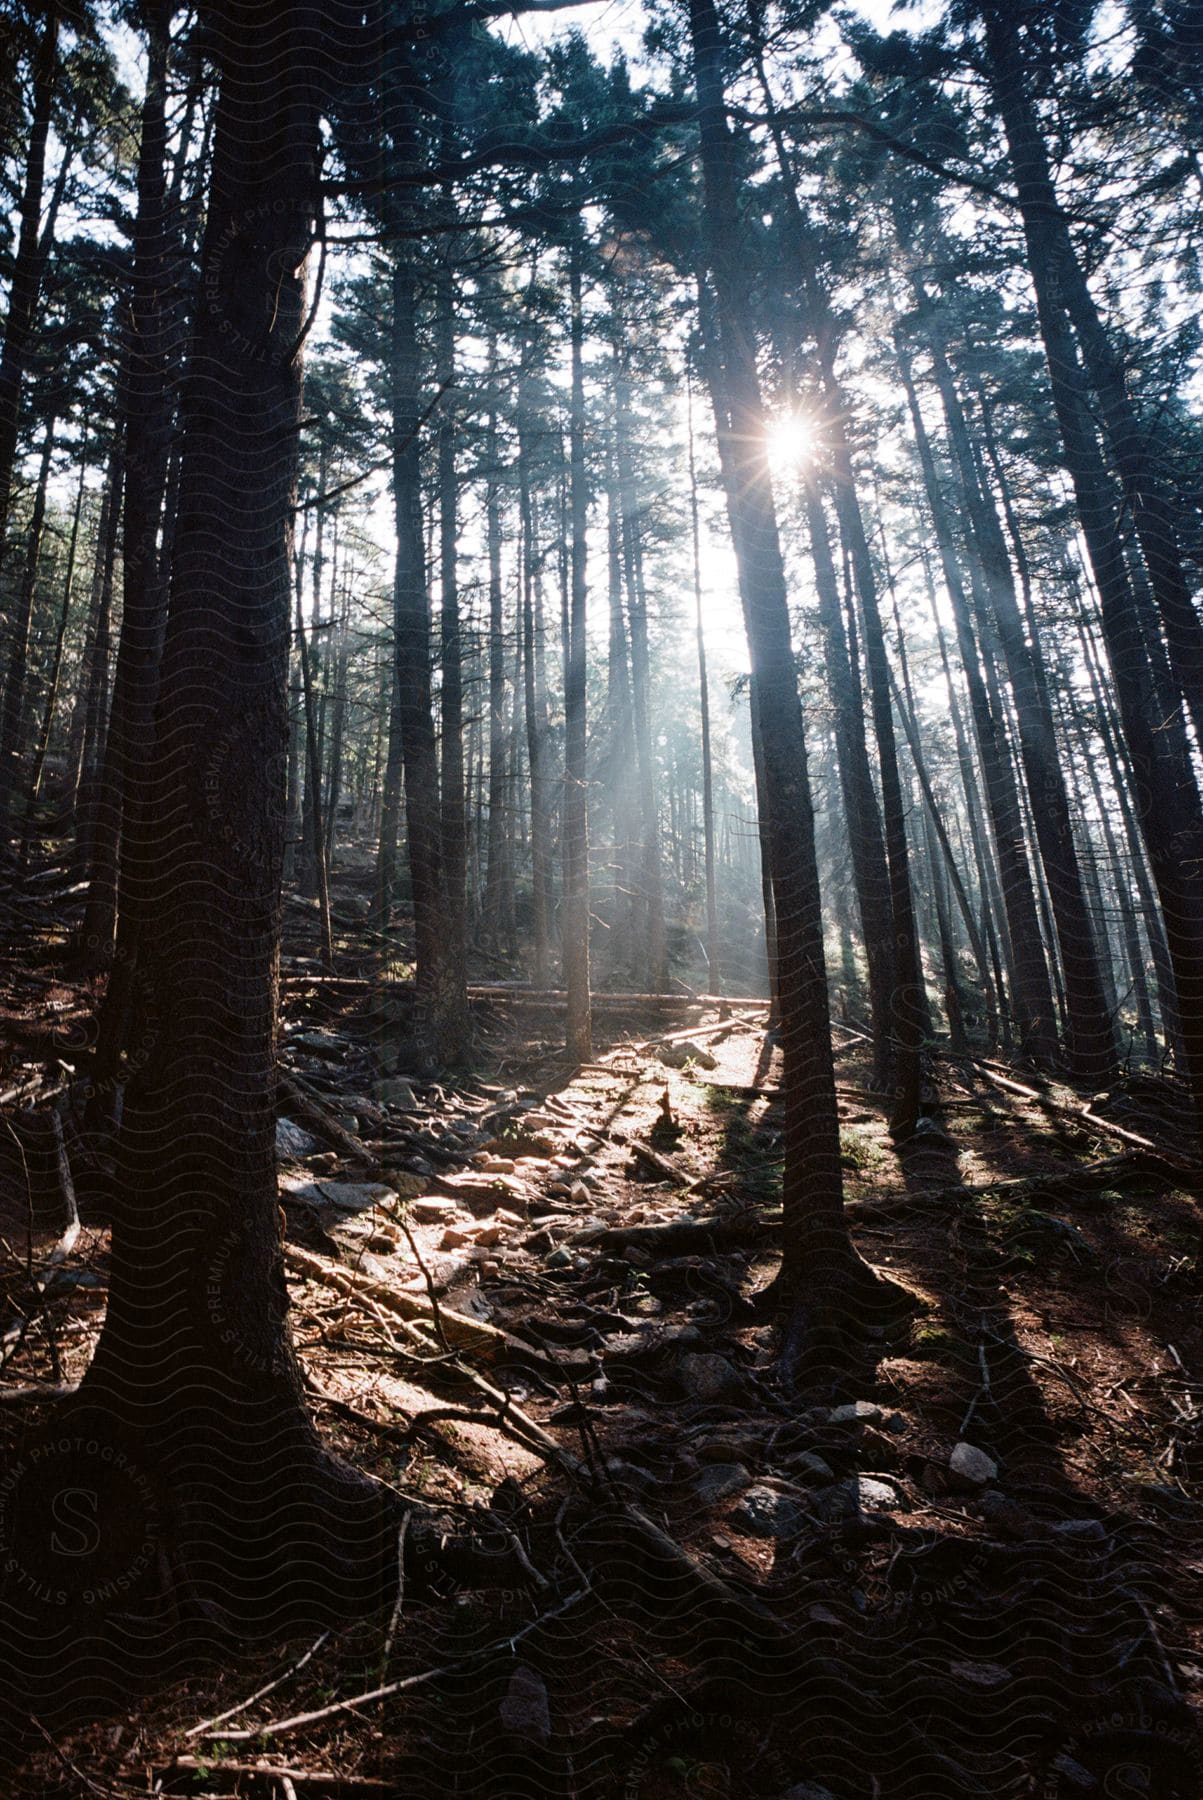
[
  {"x": 195, "y": 1369},
  {"x": 578, "y": 1027}
]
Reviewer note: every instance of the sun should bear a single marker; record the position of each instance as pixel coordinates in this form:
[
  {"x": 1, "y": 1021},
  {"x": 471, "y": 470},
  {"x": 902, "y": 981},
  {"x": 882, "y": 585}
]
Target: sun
[{"x": 789, "y": 441}]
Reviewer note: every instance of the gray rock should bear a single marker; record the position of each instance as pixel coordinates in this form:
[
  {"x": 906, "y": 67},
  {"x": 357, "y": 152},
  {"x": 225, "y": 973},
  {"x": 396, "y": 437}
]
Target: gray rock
[
  {"x": 708, "y": 1377},
  {"x": 857, "y": 1412},
  {"x": 807, "y": 1790},
  {"x": 809, "y": 1467},
  {"x": 394, "y": 1090},
  {"x": 972, "y": 1466},
  {"x": 766, "y": 1513},
  {"x": 1088, "y": 1530},
  {"x": 875, "y": 1494},
  {"x": 677, "y": 1055},
  {"x": 291, "y": 1141},
  {"x": 526, "y": 1709},
  {"x": 347, "y": 1196},
  {"x": 718, "y": 1481}
]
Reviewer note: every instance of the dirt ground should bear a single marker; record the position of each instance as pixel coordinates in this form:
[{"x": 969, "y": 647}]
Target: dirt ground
[{"x": 979, "y": 1576}]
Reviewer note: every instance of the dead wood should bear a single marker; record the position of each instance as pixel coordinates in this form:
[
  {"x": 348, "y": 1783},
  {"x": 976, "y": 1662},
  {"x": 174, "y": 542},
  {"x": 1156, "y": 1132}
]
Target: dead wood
[{"x": 471, "y": 1335}]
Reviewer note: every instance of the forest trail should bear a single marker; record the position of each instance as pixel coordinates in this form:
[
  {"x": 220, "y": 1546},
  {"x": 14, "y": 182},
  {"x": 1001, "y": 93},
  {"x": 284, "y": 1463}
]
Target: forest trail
[{"x": 617, "y": 1435}]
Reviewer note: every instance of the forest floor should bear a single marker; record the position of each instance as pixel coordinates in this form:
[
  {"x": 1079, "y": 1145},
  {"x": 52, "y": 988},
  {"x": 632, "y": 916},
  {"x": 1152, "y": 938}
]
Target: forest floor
[{"x": 721, "y": 1594}]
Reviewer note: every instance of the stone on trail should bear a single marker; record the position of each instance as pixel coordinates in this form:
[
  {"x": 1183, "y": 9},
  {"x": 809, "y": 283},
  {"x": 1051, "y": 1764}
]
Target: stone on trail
[
  {"x": 766, "y": 1513},
  {"x": 705, "y": 1376},
  {"x": 971, "y": 1465},
  {"x": 292, "y": 1141},
  {"x": 856, "y": 1412},
  {"x": 677, "y": 1055},
  {"x": 347, "y": 1196},
  {"x": 429, "y": 1209},
  {"x": 718, "y": 1481},
  {"x": 396, "y": 1091},
  {"x": 526, "y": 1710}
]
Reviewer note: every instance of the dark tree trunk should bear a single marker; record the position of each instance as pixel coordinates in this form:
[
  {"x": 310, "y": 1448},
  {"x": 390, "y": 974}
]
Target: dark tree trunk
[
  {"x": 714, "y": 975},
  {"x": 821, "y": 1271},
  {"x": 26, "y": 279},
  {"x": 870, "y": 872},
  {"x": 1164, "y": 790},
  {"x": 1031, "y": 992},
  {"x": 578, "y": 1029},
  {"x": 1091, "y": 1042},
  {"x": 1060, "y": 281},
  {"x": 194, "y": 1376}
]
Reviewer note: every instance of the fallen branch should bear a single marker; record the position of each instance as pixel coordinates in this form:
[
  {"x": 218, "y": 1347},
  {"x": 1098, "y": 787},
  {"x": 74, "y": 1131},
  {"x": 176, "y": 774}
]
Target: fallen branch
[
  {"x": 278, "y": 1726},
  {"x": 462, "y": 1333},
  {"x": 661, "y": 1164},
  {"x": 232, "y": 1712}
]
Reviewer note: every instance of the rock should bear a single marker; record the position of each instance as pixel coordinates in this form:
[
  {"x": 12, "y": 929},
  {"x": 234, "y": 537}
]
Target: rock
[
  {"x": 430, "y": 1210},
  {"x": 718, "y": 1481},
  {"x": 347, "y": 1196},
  {"x": 857, "y": 1412},
  {"x": 766, "y": 1513},
  {"x": 1008, "y": 1516},
  {"x": 1084, "y": 1530},
  {"x": 498, "y": 1165},
  {"x": 559, "y": 1259},
  {"x": 807, "y": 1790},
  {"x": 675, "y": 1056},
  {"x": 875, "y": 1494},
  {"x": 972, "y": 1466},
  {"x": 579, "y": 1194},
  {"x": 394, "y": 1090},
  {"x": 981, "y": 1674},
  {"x": 526, "y": 1710},
  {"x": 291, "y": 1141},
  {"x": 459, "y": 1237},
  {"x": 859, "y": 1493},
  {"x": 320, "y": 1043},
  {"x": 809, "y": 1467},
  {"x": 705, "y": 1376}
]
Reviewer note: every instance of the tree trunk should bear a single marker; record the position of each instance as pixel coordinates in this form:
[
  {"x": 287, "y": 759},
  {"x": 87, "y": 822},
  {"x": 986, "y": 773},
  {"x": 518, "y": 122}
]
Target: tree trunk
[
  {"x": 714, "y": 977},
  {"x": 26, "y": 280},
  {"x": 578, "y": 1028},
  {"x": 1091, "y": 1042},
  {"x": 821, "y": 1271},
  {"x": 195, "y": 1370},
  {"x": 1031, "y": 992}
]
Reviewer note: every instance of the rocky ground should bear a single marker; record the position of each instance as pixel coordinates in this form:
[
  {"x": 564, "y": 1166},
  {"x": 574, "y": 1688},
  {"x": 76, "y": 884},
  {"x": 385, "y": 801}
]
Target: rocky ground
[{"x": 526, "y": 1299}]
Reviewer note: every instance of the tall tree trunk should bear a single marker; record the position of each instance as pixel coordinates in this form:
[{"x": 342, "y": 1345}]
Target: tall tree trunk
[
  {"x": 714, "y": 974},
  {"x": 870, "y": 871},
  {"x": 195, "y": 1369},
  {"x": 1091, "y": 1042},
  {"x": 1031, "y": 992},
  {"x": 578, "y": 1030},
  {"x": 453, "y": 1028},
  {"x": 25, "y": 283},
  {"x": 536, "y": 723},
  {"x": 147, "y": 387},
  {"x": 1061, "y": 283},
  {"x": 651, "y": 880},
  {"x": 821, "y": 1271},
  {"x": 1164, "y": 790},
  {"x": 12, "y": 704},
  {"x": 498, "y": 908}
]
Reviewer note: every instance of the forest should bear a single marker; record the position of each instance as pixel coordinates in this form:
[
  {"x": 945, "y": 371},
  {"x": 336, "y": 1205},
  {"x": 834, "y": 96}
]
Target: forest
[{"x": 601, "y": 869}]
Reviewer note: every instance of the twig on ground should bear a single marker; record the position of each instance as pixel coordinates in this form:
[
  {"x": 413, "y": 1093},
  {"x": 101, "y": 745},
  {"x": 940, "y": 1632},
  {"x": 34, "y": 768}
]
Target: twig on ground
[
  {"x": 278, "y": 1726},
  {"x": 206, "y": 1725}
]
